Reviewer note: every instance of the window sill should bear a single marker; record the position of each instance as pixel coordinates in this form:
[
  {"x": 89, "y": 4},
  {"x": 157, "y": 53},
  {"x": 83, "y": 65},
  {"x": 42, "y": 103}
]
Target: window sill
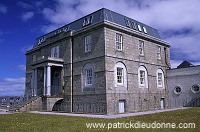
[
  {"x": 87, "y": 52},
  {"x": 141, "y": 55},
  {"x": 118, "y": 50}
]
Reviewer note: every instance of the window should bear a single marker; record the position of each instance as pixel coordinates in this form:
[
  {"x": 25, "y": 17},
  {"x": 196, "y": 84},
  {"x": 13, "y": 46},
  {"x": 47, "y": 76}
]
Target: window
[
  {"x": 65, "y": 29},
  {"x": 144, "y": 29},
  {"x": 42, "y": 39},
  {"x": 133, "y": 25},
  {"x": 120, "y": 74},
  {"x": 160, "y": 78},
  {"x": 177, "y": 90},
  {"x": 88, "y": 76},
  {"x": 55, "y": 52},
  {"x": 127, "y": 22},
  {"x": 34, "y": 58},
  {"x": 195, "y": 88},
  {"x": 118, "y": 41},
  {"x": 158, "y": 52},
  {"x": 142, "y": 77},
  {"x": 141, "y": 47},
  {"x": 87, "y": 21},
  {"x": 88, "y": 79},
  {"x": 88, "y": 43},
  {"x": 139, "y": 28}
]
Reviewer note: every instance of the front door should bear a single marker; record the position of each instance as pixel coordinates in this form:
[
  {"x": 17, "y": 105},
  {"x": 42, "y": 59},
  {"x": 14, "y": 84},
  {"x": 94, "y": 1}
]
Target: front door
[{"x": 55, "y": 82}]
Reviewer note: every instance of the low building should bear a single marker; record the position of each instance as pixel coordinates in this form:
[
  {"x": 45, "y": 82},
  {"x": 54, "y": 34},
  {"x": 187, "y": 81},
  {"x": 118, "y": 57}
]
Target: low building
[
  {"x": 184, "y": 85},
  {"x": 10, "y": 101}
]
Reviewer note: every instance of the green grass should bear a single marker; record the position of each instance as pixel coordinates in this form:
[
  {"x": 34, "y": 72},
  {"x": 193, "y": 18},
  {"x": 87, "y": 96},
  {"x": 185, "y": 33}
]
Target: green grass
[{"x": 26, "y": 122}]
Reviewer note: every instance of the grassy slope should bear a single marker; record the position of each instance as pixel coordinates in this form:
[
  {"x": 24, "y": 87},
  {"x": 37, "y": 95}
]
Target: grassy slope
[{"x": 40, "y": 123}]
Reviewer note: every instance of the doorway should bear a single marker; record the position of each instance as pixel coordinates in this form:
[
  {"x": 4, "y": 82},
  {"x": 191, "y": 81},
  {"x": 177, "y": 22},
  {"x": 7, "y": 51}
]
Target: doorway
[
  {"x": 162, "y": 103},
  {"x": 121, "y": 106}
]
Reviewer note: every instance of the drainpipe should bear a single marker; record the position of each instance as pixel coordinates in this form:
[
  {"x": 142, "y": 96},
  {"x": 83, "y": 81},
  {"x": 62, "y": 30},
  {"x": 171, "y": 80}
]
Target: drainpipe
[{"x": 71, "y": 70}]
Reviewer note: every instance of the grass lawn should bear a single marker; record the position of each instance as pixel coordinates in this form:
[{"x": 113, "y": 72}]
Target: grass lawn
[{"x": 26, "y": 122}]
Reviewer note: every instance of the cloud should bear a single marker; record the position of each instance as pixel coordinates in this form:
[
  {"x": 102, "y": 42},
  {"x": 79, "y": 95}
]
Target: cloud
[
  {"x": 22, "y": 67},
  {"x": 177, "y": 21},
  {"x": 12, "y": 86},
  {"x": 24, "y": 5},
  {"x": 3, "y": 9},
  {"x": 27, "y": 15}
]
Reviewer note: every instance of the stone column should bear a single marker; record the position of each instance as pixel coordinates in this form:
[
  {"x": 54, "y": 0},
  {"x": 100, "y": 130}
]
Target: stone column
[
  {"x": 45, "y": 81},
  {"x": 35, "y": 83},
  {"x": 32, "y": 85},
  {"x": 48, "y": 91}
]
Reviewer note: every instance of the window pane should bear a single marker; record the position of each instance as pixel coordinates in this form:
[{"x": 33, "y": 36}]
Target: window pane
[
  {"x": 88, "y": 43},
  {"x": 88, "y": 73},
  {"x": 55, "y": 52},
  {"x": 142, "y": 77},
  {"x": 119, "y": 75},
  {"x": 158, "y": 52},
  {"x": 141, "y": 47},
  {"x": 160, "y": 79},
  {"x": 118, "y": 41}
]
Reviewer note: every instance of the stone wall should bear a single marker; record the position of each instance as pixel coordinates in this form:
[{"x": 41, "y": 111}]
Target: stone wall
[{"x": 185, "y": 78}]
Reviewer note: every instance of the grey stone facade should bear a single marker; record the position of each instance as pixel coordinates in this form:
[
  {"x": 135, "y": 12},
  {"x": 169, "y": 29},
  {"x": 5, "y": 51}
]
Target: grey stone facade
[
  {"x": 185, "y": 79},
  {"x": 88, "y": 80}
]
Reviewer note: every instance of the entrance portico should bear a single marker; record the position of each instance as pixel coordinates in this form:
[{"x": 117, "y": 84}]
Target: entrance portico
[{"x": 46, "y": 79}]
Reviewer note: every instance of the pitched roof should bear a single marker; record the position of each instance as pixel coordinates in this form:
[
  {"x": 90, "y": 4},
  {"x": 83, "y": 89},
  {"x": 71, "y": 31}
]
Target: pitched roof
[{"x": 185, "y": 64}]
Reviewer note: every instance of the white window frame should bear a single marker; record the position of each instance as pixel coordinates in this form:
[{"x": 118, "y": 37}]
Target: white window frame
[
  {"x": 119, "y": 41},
  {"x": 158, "y": 52},
  {"x": 144, "y": 77},
  {"x": 120, "y": 78},
  {"x": 144, "y": 29},
  {"x": 55, "y": 52},
  {"x": 139, "y": 28},
  {"x": 87, "y": 21},
  {"x": 88, "y": 43},
  {"x": 141, "y": 47},
  {"x": 88, "y": 76},
  {"x": 120, "y": 65},
  {"x": 160, "y": 80}
]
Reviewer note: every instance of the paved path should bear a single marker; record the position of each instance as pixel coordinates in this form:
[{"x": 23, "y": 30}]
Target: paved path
[
  {"x": 108, "y": 116},
  {"x": 4, "y": 111}
]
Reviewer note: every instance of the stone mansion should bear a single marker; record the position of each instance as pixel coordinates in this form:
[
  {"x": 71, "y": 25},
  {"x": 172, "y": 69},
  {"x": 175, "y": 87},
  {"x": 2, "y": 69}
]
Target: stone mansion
[{"x": 102, "y": 63}]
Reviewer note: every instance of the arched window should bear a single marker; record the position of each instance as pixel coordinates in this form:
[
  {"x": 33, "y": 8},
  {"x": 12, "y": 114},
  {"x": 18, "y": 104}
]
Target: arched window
[
  {"x": 88, "y": 75},
  {"x": 120, "y": 74},
  {"x": 160, "y": 79},
  {"x": 142, "y": 77}
]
